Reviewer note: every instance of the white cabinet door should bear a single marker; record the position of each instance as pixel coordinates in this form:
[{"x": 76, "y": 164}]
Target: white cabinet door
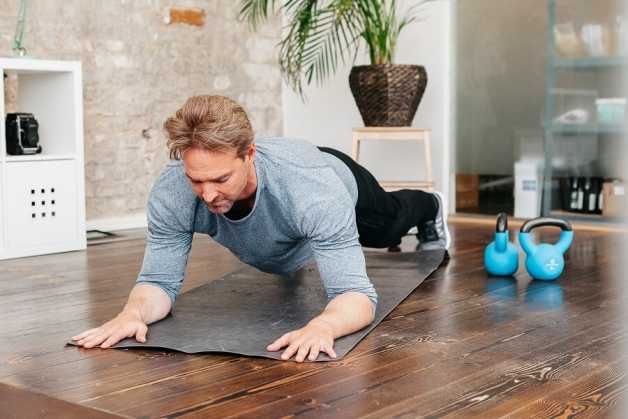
[
  {"x": 41, "y": 204},
  {"x": 2, "y": 206}
]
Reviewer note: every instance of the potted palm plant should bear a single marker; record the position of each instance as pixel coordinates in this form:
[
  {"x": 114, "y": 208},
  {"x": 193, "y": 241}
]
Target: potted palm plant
[{"x": 321, "y": 34}]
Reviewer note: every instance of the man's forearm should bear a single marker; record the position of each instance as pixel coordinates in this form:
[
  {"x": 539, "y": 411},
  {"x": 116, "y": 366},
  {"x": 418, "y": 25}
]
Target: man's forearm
[
  {"x": 347, "y": 313},
  {"x": 149, "y": 302}
]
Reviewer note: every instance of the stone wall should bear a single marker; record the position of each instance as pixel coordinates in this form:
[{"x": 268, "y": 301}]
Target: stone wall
[{"x": 141, "y": 60}]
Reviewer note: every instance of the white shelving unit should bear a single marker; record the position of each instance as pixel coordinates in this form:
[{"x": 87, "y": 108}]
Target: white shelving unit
[{"x": 42, "y": 196}]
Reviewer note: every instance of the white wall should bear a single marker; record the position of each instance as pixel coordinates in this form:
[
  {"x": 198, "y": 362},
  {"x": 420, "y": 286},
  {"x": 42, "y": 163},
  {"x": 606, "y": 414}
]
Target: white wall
[{"x": 330, "y": 112}]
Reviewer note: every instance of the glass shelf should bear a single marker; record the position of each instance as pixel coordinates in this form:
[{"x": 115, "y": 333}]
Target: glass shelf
[
  {"x": 591, "y": 62},
  {"x": 587, "y": 129},
  {"x": 588, "y": 217},
  {"x": 39, "y": 157},
  {"x": 592, "y": 146}
]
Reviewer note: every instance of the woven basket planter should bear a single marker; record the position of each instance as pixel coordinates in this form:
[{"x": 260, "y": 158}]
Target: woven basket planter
[{"x": 388, "y": 95}]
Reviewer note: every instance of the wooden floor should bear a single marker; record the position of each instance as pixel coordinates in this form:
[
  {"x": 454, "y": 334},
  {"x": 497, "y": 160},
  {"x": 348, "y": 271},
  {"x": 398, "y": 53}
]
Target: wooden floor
[{"x": 462, "y": 345}]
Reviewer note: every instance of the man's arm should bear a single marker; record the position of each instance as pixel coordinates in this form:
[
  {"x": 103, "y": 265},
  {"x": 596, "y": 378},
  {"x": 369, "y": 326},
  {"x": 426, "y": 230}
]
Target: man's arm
[
  {"x": 154, "y": 293},
  {"x": 148, "y": 302},
  {"x": 345, "y": 314},
  {"x": 329, "y": 224},
  {"x": 170, "y": 214}
]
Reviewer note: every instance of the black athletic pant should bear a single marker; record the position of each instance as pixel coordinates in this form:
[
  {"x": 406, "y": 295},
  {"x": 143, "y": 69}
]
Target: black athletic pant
[{"x": 383, "y": 218}]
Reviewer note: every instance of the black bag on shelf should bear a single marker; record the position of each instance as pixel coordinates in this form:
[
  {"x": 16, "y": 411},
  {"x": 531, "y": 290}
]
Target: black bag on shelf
[{"x": 22, "y": 133}]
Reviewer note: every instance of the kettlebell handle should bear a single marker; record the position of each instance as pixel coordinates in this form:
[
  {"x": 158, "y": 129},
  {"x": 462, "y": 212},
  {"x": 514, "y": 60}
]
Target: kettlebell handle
[
  {"x": 502, "y": 222},
  {"x": 566, "y": 235},
  {"x": 529, "y": 225}
]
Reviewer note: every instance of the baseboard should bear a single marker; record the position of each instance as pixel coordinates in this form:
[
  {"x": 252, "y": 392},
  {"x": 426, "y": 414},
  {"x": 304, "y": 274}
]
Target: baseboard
[
  {"x": 118, "y": 223},
  {"x": 517, "y": 222}
]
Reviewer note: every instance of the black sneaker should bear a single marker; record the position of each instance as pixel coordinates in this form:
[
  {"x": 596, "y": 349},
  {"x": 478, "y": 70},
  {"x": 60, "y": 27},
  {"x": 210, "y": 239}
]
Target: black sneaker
[{"x": 434, "y": 234}]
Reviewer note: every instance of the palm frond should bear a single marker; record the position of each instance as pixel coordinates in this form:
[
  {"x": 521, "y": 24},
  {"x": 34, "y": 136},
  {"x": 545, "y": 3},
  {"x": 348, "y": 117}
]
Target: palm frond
[
  {"x": 256, "y": 11},
  {"x": 313, "y": 52}
]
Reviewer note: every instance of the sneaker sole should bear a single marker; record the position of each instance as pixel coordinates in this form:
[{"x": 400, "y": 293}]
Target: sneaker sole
[{"x": 443, "y": 213}]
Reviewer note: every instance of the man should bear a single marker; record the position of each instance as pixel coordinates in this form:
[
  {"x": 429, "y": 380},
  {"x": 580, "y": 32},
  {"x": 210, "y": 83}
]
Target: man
[{"x": 275, "y": 203}]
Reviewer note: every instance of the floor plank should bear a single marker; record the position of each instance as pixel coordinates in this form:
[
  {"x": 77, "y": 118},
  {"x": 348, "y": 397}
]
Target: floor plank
[{"x": 35, "y": 406}]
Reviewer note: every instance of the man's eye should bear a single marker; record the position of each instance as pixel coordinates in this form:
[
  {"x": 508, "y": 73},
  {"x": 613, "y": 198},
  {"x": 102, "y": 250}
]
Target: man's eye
[{"x": 223, "y": 180}]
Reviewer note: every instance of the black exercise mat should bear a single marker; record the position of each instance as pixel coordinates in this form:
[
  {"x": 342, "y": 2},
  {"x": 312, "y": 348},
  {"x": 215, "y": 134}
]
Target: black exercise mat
[{"x": 245, "y": 311}]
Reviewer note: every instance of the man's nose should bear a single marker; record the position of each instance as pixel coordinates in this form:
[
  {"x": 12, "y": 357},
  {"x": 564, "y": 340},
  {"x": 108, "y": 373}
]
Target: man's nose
[{"x": 209, "y": 193}]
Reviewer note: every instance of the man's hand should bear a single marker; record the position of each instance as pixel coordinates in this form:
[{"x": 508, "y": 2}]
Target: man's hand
[
  {"x": 346, "y": 313},
  {"x": 147, "y": 304},
  {"x": 317, "y": 336},
  {"x": 125, "y": 324}
]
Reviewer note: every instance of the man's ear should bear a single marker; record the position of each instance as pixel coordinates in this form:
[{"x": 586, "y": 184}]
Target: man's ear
[{"x": 250, "y": 153}]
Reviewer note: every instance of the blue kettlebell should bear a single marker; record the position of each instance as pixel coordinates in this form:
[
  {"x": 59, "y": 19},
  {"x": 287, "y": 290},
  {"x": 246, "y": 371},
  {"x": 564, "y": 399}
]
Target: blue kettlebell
[
  {"x": 500, "y": 256},
  {"x": 545, "y": 261}
]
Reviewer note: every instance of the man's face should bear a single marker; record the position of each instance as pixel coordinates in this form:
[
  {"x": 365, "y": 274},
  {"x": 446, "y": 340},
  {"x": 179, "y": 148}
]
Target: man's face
[{"x": 218, "y": 178}]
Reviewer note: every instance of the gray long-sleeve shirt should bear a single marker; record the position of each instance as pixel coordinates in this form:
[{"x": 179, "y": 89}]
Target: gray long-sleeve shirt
[{"x": 304, "y": 207}]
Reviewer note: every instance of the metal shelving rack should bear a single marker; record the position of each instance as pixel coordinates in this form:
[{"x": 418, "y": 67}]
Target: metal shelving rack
[{"x": 556, "y": 64}]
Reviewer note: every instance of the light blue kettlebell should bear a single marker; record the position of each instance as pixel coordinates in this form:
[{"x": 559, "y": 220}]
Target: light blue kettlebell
[
  {"x": 500, "y": 256},
  {"x": 545, "y": 261}
]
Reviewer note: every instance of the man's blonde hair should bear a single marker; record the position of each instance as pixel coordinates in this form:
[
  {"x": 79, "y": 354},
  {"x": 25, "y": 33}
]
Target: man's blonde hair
[{"x": 215, "y": 123}]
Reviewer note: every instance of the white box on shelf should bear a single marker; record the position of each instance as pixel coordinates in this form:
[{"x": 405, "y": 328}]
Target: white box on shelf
[
  {"x": 42, "y": 209},
  {"x": 528, "y": 188},
  {"x": 42, "y": 196},
  {"x": 611, "y": 110},
  {"x": 573, "y": 107}
]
